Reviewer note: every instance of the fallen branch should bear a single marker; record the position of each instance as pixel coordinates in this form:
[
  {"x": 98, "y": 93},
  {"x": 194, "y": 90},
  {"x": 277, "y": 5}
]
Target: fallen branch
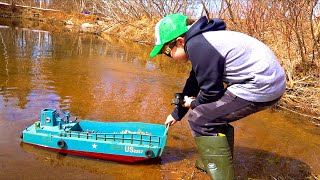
[
  {"x": 305, "y": 115},
  {"x": 107, "y": 27}
]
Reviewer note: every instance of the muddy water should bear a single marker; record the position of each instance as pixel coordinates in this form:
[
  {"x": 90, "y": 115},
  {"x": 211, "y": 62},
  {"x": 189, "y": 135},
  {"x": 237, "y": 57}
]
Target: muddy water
[{"x": 112, "y": 80}]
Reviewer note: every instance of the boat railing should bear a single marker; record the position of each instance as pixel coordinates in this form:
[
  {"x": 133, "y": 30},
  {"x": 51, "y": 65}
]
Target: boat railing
[{"x": 131, "y": 138}]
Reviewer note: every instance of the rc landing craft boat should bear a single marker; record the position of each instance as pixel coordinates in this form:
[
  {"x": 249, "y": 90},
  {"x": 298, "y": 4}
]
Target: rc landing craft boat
[{"x": 115, "y": 141}]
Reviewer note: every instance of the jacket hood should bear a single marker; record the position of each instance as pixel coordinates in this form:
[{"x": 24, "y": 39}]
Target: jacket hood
[{"x": 203, "y": 25}]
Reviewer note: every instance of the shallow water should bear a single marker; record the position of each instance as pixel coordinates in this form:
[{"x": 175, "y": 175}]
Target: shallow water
[{"x": 113, "y": 80}]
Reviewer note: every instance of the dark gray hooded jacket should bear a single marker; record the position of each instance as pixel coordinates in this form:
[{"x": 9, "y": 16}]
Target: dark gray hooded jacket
[{"x": 247, "y": 66}]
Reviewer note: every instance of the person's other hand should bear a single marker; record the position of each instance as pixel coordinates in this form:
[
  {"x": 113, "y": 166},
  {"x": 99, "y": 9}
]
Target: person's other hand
[
  {"x": 187, "y": 101},
  {"x": 170, "y": 121}
]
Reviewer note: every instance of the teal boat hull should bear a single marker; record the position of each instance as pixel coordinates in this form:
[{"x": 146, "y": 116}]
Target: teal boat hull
[{"x": 115, "y": 141}]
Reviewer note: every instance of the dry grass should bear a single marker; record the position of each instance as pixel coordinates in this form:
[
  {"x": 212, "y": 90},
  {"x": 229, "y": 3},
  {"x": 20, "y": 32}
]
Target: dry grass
[
  {"x": 303, "y": 97},
  {"x": 140, "y": 30}
]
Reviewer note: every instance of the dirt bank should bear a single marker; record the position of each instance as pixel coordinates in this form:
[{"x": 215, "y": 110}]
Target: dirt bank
[{"x": 53, "y": 20}]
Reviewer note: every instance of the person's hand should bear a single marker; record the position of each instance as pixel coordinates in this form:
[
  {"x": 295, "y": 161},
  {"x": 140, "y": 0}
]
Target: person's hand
[
  {"x": 170, "y": 121},
  {"x": 187, "y": 101}
]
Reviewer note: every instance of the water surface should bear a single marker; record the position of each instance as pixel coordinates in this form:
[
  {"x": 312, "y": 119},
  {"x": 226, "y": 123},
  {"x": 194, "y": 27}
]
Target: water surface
[{"x": 113, "y": 80}]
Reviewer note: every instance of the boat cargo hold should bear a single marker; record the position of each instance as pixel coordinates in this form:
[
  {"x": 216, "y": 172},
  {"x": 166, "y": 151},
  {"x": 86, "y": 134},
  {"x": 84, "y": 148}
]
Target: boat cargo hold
[{"x": 115, "y": 141}]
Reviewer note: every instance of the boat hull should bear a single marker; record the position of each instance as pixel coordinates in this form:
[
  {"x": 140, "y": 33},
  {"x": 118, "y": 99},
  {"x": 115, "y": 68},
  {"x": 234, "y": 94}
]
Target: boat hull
[{"x": 103, "y": 156}]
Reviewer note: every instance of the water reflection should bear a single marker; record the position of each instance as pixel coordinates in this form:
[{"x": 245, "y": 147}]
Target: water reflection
[
  {"x": 90, "y": 77},
  {"x": 113, "y": 80},
  {"x": 21, "y": 52},
  {"x": 84, "y": 74}
]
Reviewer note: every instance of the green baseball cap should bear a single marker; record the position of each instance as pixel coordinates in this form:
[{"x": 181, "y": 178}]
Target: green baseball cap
[{"x": 167, "y": 29}]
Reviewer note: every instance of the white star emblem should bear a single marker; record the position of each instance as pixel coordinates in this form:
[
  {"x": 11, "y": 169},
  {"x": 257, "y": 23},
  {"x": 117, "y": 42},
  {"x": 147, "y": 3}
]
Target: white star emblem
[{"x": 94, "y": 146}]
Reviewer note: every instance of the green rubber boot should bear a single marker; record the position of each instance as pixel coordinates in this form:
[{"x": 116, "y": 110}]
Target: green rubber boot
[
  {"x": 229, "y": 132},
  {"x": 199, "y": 165},
  {"x": 216, "y": 156}
]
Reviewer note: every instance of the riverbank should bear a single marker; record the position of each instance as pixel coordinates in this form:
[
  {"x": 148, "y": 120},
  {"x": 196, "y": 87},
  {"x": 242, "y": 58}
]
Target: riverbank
[
  {"x": 51, "y": 20},
  {"x": 302, "y": 98}
]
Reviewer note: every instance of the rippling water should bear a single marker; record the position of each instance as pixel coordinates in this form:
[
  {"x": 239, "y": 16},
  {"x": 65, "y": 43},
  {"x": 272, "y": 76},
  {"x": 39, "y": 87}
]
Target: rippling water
[{"x": 114, "y": 80}]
